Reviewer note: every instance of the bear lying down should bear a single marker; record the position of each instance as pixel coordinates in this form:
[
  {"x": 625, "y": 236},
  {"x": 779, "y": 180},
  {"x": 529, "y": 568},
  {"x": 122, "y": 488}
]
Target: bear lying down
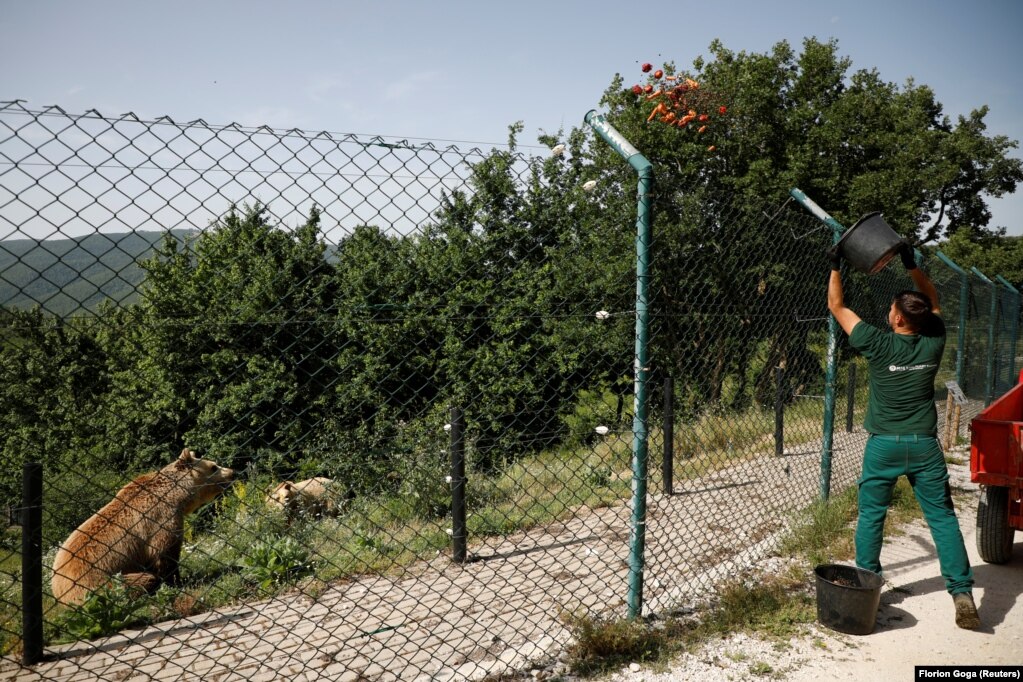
[
  {"x": 314, "y": 497},
  {"x": 138, "y": 533}
]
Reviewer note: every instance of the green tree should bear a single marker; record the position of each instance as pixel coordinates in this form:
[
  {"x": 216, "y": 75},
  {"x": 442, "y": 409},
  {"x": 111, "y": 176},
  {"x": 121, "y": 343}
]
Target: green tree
[
  {"x": 232, "y": 339},
  {"x": 53, "y": 381},
  {"x": 852, "y": 141},
  {"x": 507, "y": 292},
  {"x": 491, "y": 251},
  {"x": 385, "y": 345},
  {"x": 990, "y": 254}
]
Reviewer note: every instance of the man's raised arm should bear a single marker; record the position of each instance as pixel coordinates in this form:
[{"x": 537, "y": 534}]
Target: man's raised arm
[{"x": 920, "y": 279}]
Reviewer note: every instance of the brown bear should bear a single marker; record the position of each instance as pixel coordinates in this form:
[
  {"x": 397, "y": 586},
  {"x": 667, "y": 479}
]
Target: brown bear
[
  {"x": 138, "y": 533},
  {"x": 313, "y": 497}
]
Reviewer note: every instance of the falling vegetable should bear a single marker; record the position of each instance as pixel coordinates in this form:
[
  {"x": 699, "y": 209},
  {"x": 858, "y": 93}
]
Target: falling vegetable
[
  {"x": 677, "y": 100},
  {"x": 659, "y": 109}
]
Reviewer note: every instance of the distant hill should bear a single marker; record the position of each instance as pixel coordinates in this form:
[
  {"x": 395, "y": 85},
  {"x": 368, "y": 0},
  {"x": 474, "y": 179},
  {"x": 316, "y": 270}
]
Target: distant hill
[{"x": 68, "y": 276}]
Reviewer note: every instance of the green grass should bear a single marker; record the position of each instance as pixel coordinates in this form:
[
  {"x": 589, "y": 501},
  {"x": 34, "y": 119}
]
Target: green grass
[
  {"x": 775, "y": 607},
  {"x": 823, "y": 533}
]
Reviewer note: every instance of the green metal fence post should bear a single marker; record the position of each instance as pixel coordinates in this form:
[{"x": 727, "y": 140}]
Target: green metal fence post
[
  {"x": 644, "y": 220},
  {"x": 831, "y": 370},
  {"x": 964, "y": 308},
  {"x": 989, "y": 373},
  {"x": 1014, "y": 326}
]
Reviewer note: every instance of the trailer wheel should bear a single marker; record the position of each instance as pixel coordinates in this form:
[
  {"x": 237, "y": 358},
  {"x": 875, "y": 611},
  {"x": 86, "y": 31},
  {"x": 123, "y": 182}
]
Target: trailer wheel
[{"x": 994, "y": 534}]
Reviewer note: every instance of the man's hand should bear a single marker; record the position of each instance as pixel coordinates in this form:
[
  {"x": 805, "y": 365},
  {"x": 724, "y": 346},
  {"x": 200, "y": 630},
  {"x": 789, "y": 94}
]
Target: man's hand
[
  {"x": 907, "y": 255},
  {"x": 835, "y": 258}
]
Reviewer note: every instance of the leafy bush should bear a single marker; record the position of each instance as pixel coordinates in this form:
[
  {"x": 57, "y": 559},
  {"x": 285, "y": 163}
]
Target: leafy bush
[
  {"x": 107, "y": 610},
  {"x": 592, "y": 408},
  {"x": 276, "y": 561}
]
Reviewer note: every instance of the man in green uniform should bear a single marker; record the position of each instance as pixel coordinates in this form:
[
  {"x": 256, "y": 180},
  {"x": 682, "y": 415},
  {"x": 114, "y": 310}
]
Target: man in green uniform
[{"x": 902, "y": 423}]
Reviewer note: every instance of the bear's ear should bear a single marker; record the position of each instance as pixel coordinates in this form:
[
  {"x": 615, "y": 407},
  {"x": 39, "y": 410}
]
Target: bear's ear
[
  {"x": 185, "y": 460},
  {"x": 288, "y": 486}
]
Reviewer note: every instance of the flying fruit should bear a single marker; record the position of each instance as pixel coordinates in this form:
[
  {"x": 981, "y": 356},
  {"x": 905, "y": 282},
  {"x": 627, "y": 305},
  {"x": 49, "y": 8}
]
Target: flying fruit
[{"x": 646, "y": 67}]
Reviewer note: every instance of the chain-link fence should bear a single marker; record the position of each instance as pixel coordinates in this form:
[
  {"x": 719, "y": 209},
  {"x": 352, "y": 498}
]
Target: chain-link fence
[{"x": 415, "y": 365}]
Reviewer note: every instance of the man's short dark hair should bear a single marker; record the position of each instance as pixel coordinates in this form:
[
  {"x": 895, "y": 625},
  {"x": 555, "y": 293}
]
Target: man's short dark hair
[{"x": 915, "y": 308}]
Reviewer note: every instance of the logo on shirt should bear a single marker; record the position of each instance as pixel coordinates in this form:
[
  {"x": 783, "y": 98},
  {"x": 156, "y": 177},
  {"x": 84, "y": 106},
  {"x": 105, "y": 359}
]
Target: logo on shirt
[{"x": 909, "y": 368}]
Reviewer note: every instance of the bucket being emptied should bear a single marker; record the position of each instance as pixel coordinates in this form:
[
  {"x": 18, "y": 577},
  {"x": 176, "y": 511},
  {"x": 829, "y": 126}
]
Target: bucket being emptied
[
  {"x": 847, "y": 598},
  {"x": 869, "y": 244}
]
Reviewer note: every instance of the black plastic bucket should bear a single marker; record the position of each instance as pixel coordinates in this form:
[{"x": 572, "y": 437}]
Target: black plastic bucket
[
  {"x": 847, "y": 598},
  {"x": 869, "y": 244}
]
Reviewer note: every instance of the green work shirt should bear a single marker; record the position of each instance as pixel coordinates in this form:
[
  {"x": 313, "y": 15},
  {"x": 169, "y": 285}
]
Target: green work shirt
[{"x": 902, "y": 371}]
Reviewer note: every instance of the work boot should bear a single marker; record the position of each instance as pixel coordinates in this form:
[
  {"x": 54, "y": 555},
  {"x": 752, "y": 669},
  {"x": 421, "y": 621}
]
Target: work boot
[{"x": 966, "y": 611}]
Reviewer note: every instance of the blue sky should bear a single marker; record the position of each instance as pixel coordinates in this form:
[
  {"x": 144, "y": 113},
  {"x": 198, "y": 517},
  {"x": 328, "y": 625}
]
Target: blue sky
[{"x": 463, "y": 71}]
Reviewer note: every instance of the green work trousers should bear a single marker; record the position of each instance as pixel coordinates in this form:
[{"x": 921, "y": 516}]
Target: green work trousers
[{"x": 920, "y": 459}]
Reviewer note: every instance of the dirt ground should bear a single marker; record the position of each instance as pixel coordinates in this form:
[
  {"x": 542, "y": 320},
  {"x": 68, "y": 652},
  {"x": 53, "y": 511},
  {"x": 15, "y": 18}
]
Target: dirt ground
[{"x": 915, "y": 623}]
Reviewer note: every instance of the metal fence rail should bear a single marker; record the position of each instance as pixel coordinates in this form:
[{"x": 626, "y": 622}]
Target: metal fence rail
[{"x": 446, "y": 340}]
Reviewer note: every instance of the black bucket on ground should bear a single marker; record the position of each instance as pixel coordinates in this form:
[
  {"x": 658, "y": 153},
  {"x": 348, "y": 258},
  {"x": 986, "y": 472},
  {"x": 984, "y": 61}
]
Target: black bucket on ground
[
  {"x": 869, "y": 244},
  {"x": 847, "y": 598}
]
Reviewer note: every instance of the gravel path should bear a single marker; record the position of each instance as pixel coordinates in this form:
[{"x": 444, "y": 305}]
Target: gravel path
[{"x": 915, "y": 623}]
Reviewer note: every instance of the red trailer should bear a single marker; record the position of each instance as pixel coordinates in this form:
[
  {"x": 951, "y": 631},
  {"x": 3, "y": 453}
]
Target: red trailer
[{"x": 996, "y": 463}]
